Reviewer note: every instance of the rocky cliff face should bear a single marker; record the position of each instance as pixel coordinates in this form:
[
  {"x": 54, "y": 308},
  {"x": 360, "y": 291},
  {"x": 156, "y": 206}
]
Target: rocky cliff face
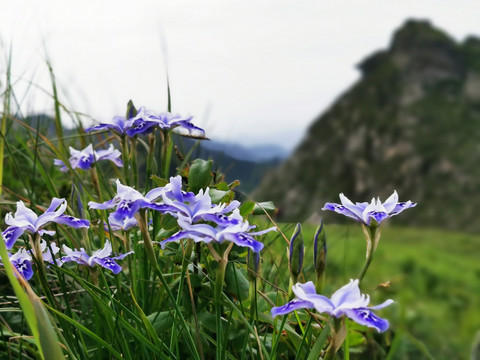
[{"x": 411, "y": 123}]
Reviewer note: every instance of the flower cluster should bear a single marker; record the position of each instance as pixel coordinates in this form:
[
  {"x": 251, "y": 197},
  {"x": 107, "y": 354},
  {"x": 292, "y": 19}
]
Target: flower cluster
[
  {"x": 145, "y": 121},
  {"x": 197, "y": 217},
  {"x": 83, "y": 159},
  {"x": 26, "y": 220},
  {"x": 346, "y": 301}
]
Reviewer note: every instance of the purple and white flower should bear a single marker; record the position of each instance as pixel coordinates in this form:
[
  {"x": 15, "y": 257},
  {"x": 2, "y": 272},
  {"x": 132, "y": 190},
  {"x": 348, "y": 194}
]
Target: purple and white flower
[
  {"x": 101, "y": 257},
  {"x": 84, "y": 159},
  {"x": 236, "y": 231},
  {"x": 26, "y": 220},
  {"x": 346, "y": 301},
  {"x": 129, "y": 201},
  {"x": 371, "y": 214},
  {"x": 145, "y": 121}
]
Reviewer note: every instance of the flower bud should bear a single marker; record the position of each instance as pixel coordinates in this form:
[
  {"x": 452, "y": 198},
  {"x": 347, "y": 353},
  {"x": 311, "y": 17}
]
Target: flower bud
[
  {"x": 320, "y": 250},
  {"x": 295, "y": 253}
]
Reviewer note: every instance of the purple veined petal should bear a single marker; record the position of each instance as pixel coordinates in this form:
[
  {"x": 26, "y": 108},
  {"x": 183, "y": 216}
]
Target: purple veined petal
[
  {"x": 382, "y": 305},
  {"x": 140, "y": 126},
  {"x": 307, "y": 292},
  {"x": 232, "y": 206},
  {"x": 109, "y": 264},
  {"x": 24, "y": 217},
  {"x": 128, "y": 193},
  {"x": 105, "y": 252},
  {"x": 293, "y": 305},
  {"x": 110, "y": 204},
  {"x": 357, "y": 208},
  {"x": 341, "y": 209},
  {"x": 23, "y": 263},
  {"x": 391, "y": 202},
  {"x": 374, "y": 211},
  {"x": 162, "y": 208},
  {"x": 10, "y": 235},
  {"x": 57, "y": 207},
  {"x": 58, "y": 162},
  {"x": 261, "y": 232},
  {"x": 121, "y": 256},
  {"x": 24, "y": 267},
  {"x": 84, "y": 162},
  {"x": 219, "y": 219},
  {"x": 72, "y": 221},
  {"x": 182, "y": 234},
  {"x": 402, "y": 206},
  {"x": 366, "y": 317},
  {"x": 54, "y": 205},
  {"x": 119, "y": 224},
  {"x": 244, "y": 240},
  {"x": 42, "y": 232},
  {"x": 78, "y": 256},
  {"x": 348, "y": 294},
  {"x": 127, "y": 209}
]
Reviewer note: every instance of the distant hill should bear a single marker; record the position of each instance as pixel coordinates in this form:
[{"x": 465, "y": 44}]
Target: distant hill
[
  {"x": 411, "y": 123},
  {"x": 237, "y": 162},
  {"x": 255, "y": 153}
]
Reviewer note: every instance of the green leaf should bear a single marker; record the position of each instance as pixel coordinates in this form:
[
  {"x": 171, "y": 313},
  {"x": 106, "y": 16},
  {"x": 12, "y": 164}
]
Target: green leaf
[
  {"x": 161, "y": 321},
  {"x": 261, "y": 207},
  {"x": 247, "y": 208},
  {"x": 220, "y": 196},
  {"x": 160, "y": 182},
  {"x": 237, "y": 283},
  {"x": 200, "y": 175}
]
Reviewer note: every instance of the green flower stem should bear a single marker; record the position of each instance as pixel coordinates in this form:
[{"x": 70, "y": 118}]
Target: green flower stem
[
  {"x": 141, "y": 217},
  {"x": 95, "y": 182},
  {"x": 167, "y": 148},
  {"x": 372, "y": 235},
  {"x": 337, "y": 339},
  {"x": 133, "y": 152},
  {"x": 219, "y": 280},
  {"x": 42, "y": 274},
  {"x": 150, "y": 161},
  {"x": 126, "y": 171}
]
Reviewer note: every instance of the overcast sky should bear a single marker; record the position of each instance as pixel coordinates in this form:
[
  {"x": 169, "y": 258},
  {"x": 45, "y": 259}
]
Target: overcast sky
[{"x": 249, "y": 71}]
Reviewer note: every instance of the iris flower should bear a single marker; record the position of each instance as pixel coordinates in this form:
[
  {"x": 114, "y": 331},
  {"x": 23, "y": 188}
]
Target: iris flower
[
  {"x": 26, "y": 220},
  {"x": 145, "y": 121},
  {"x": 346, "y": 301},
  {"x": 371, "y": 214},
  {"x": 128, "y": 202},
  {"x": 84, "y": 159},
  {"x": 238, "y": 232},
  {"x": 101, "y": 257}
]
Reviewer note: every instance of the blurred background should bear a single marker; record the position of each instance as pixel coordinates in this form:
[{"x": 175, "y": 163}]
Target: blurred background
[{"x": 301, "y": 101}]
